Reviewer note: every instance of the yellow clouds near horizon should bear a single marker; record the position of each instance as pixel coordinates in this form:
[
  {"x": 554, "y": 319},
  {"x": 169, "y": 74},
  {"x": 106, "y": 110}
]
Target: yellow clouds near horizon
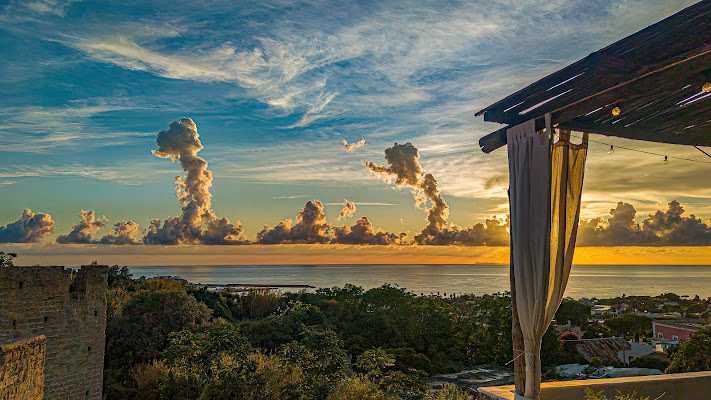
[{"x": 74, "y": 255}]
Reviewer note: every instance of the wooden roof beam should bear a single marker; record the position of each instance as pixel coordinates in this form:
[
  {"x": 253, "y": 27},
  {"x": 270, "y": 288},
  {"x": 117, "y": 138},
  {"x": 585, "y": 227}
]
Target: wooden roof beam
[{"x": 497, "y": 138}]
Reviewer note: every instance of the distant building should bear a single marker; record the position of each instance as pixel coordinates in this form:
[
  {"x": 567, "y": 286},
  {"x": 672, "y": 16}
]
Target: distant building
[
  {"x": 608, "y": 350},
  {"x": 668, "y": 315},
  {"x": 636, "y": 350},
  {"x": 676, "y": 330},
  {"x": 585, "y": 300},
  {"x": 599, "y": 309}
]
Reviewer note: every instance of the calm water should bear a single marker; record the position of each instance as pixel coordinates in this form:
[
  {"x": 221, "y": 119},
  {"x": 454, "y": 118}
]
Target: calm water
[{"x": 585, "y": 281}]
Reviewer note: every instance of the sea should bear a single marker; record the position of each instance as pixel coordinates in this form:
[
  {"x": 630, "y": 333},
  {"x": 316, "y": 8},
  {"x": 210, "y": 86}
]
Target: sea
[{"x": 601, "y": 281}]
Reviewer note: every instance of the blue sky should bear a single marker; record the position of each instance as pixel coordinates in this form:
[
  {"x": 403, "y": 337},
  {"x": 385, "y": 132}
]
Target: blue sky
[{"x": 275, "y": 86}]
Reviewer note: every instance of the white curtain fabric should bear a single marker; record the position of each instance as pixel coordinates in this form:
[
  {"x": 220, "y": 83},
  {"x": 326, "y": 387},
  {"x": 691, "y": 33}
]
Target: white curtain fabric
[{"x": 545, "y": 183}]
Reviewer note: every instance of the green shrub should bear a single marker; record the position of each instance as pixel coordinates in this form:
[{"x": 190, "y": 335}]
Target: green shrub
[
  {"x": 358, "y": 388},
  {"x": 649, "y": 362},
  {"x": 693, "y": 354},
  {"x": 258, "y": 377},
  {"x": 591, "y": 395},
  {"x": 449, "y": 392},
  {"x": 148, "y": 379}
]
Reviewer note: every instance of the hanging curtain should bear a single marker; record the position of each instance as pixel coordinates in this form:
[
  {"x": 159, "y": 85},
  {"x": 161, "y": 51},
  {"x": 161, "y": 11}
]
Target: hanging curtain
[{"x": 545, "y": 187}]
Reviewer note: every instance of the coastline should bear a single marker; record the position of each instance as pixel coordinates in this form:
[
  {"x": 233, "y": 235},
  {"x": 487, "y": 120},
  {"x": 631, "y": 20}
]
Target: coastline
[{"x": 301, "y": 254}]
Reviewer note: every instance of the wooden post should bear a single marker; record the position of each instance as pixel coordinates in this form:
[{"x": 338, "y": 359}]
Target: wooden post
[
  {"x": 517, "y": 339},
  {"x": 516, "y": 333}
]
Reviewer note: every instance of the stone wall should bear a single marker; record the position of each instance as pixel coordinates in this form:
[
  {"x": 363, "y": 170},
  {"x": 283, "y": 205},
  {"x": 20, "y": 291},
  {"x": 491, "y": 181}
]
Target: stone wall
[
  {"x": 68, "y": 307},
  {"x": 22, "y": 369}
]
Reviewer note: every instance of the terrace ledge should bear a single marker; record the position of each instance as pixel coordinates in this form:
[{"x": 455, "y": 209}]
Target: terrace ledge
[{"x": 692, "y": 385}]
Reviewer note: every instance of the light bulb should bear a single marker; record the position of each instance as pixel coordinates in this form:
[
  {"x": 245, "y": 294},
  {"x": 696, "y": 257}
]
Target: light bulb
[
  {"x": 616, "y": 111},
  {"x": 612, "y": 149},
  {"x": 666, "y": 160},
  {"x": 707, "y": 87}
]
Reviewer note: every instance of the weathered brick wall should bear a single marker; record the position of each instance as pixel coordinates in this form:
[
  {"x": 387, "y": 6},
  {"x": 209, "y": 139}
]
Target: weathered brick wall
[
  {"x": 69, "y": 308},
  {"x": 22, "y": 369}
]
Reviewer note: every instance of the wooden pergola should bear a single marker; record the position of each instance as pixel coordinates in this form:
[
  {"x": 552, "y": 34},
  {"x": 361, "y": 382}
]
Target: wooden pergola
[
  {"x": 654, "y": 85},
  {"x": 655, "y": 78}
]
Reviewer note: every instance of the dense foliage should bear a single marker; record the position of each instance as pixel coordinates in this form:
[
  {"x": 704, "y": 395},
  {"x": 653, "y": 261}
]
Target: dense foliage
[
  {"x": 630, "y": 325},
  {"x": 575, "y": 312},
  {"x": 168, "y": 340},
  {"x": 692, "y": 355}
]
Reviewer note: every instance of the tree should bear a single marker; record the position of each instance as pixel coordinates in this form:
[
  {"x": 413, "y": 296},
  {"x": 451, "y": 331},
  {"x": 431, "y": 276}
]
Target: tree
[
  {"x": 258, "y": 377},
  {"x": 119, "y": 277},
  {"x": 693, "y": 354},
  {"x": 141, "y": 331},
  {"x": 278, "y": 329},
  {"x": 374, "y": 362},
  {"x": 630, "y": 324},
  {"x": 487, "y": 327},
  {"x": 574, "y": 311},
  {"x": 320, "y": 354},
  {"x": 6, "y": 259},
  {"x": 194, "y": 357}
]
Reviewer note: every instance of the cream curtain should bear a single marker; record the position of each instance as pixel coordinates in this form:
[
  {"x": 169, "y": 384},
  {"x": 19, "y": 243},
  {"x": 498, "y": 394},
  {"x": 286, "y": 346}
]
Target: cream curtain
[{"x": 545, "y": 183}]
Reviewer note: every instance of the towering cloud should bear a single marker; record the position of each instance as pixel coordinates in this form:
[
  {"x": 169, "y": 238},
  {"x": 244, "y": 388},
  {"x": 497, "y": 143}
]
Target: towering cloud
[
  {"x": 83, "y": 231},
  {"x": 353, "y": 146},
  {"x": 349, "y": 208},
  {"x": 364, "y": 233},
  {"x": 181, "y": 143},
  {"x": 438, "y": 213},
  {"x": 30, "y": 228},
  {"x": 668, "y": 227},
  {"x": 311, "y": 227},
  {"x": 404, "y": 168},
  {"x": 124, "y": 233}
]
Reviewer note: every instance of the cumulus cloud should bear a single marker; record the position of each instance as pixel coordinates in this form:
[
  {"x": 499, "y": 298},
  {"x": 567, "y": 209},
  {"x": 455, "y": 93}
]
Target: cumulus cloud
[
  {"x": 493, "y": 232},
  {"x": 30, "y": 228},
  {"x": 84, "y": 230},
  {"x": 349, "y": 208},
  {"x": 362, "y": 232},
  {"x": 404, "y": 168},
  {"x": 310, "y": 227},
  {"x": 181, "y": 143},
  {"x": 222, "y": 231},
  {"x": 353, "y": 146},
  {"x": 124, "y": 233},
  {"x": 667, "y": 227}
]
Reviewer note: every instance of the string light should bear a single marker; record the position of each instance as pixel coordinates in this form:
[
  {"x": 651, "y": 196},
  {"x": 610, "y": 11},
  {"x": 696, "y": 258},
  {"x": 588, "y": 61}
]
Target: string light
[
  {"x": 646, "y": 152},
  {"x": 612, "y": 149},
  {"x": 666, "y": 160},
  {"x": 616, "y": 111},
  {"x": 707, "y": 87}
]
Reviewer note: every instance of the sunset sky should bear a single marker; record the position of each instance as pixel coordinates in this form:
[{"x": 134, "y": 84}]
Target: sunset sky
[{"x": 274, "y": 87}]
